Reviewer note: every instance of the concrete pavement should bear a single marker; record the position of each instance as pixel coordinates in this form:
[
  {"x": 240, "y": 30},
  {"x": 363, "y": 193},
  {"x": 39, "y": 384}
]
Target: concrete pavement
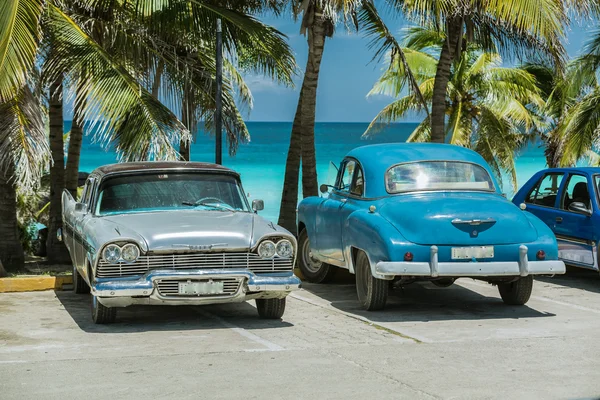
[{"x": 460, "y": 342}]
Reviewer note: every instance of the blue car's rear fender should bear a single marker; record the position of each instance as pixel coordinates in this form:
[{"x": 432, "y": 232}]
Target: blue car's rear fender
[{"x": 372, "y": 234}]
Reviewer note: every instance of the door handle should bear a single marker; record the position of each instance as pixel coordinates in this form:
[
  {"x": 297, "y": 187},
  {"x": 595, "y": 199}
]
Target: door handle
[{"x": 559, "y": 219}]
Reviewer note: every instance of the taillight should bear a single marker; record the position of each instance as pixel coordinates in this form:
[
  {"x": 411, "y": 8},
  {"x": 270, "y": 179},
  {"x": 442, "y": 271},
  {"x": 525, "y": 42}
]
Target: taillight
[
  {"x": 541, "y": 255},
  {"x": 408, "y": 256}
]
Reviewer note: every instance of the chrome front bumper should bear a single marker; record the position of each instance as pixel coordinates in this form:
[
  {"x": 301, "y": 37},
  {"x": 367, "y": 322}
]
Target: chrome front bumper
[
  {"x": 435, "y": 269},
  {"x": 144, "y": 290}
]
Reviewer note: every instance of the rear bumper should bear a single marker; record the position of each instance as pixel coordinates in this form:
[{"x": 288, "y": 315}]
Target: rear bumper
[
  {"x": 434, "y": 269},
  {"x": 144, "y": 290}
]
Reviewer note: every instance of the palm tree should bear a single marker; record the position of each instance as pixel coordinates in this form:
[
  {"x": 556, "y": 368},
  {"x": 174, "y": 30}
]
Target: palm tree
[
  {"x": 580, "y": 99},
  {"x": 139, "y": 44},
  {"x": 23, "y": 147},
  {"x": 318, "y": 20},
  {"x": 512, "y": 28},
  {"x": 490, "y": 108}
]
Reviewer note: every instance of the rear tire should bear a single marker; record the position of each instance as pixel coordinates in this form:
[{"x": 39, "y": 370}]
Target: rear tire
[
  {"x": 270, "y": 308},
  {"x": 80, "y": 286},
  {"x": 516, "y": 293},
  {"x": 372, "y": 292},
  {"x": 444, "y": 283},
  {"x": 102, "y": 314},
  {"x": 313, "y": 270}
]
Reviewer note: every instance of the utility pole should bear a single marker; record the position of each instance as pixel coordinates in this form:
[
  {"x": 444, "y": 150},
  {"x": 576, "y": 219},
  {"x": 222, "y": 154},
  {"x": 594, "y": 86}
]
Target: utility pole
[{"x": 218, "y": 97}]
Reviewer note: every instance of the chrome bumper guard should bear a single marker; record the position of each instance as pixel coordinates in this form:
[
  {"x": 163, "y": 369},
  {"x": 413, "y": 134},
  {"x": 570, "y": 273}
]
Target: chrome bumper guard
[
  {"x": 109, "y": 292},
  {"x": 436, "y": 269}
]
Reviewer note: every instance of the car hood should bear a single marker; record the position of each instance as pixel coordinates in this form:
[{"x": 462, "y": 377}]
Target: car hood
[
  {"x": 451, "y": 218},
  {"x": 188, "y": 229}
]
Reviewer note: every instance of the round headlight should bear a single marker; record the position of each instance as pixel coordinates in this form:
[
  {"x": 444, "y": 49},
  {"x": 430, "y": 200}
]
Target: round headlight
[
  {"x": 266, "y": 249},
  {"x": 130, "y": 252},
  {"x": 285, "y": 248},
  {"x": 112, "y": 253}
]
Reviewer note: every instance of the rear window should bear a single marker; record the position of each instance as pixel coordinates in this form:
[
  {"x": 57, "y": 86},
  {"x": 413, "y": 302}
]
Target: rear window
[{"x": 437, "y": 175}]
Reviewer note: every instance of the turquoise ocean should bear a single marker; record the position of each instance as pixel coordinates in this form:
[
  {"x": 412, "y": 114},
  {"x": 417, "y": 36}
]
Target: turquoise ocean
[{"x": 261, "y": 162}]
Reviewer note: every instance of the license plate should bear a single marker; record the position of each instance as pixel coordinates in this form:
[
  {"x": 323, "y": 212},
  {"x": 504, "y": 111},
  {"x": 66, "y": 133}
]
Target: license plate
[
  {"x": 200, "y": 288},
  {"x": 467, "y": 253}
]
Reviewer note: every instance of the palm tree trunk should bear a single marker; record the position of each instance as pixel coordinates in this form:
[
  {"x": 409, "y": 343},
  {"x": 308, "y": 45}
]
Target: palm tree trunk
[
  {"x": 187, "y": 119},
  {"x": 442, "y": 77},
  {"x": 316, "y": 45},
  {"x": 11, "y": 250},
  {"x": 57, "y": 252},
  {"x": 72, "y": 169},
  {"x": 289, "y": 195}
]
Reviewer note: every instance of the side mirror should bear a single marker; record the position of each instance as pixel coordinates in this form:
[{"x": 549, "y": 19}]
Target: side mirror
[
  {"x": 258, "y": 205},
  {"x": 579, "y": 208},
  {"x": 79, "y": 207},
  {"x": 324, "y": 188}
]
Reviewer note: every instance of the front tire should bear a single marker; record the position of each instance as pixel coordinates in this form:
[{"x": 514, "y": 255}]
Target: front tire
[
  {"x": 102, "y": 314},
  {"x": 372, "y": 292},
  {"x": 80, "y": 286},
  {"x": 516, "y": 293},
  {"x": 270, "y": 308},
  {"x": 313, "y": 270}
]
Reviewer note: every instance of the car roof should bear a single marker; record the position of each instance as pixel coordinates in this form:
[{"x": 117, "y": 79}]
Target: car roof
[
  {"x": 127, "y": 167},
  {"x": 584, "y": 170},
  {"x": 378, "y": 158}
]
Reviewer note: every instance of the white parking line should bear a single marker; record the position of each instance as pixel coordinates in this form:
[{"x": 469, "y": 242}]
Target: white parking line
[{"x": 269, "y": 346}]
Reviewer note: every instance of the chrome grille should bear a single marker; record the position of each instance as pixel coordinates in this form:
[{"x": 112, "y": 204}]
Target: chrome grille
[
  {"x": 194, "y": 261},
  {"x": 170, "y": 287}
]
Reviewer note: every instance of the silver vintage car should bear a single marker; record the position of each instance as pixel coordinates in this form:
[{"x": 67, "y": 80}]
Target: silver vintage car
[{"x": 174, "y": 233}]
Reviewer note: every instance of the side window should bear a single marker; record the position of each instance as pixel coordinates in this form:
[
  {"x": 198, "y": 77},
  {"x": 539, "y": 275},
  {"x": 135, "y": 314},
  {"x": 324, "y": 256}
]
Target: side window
[
  {"x": 545, "y": 192},
  {"x": 345, "y": 180},
  {"x": 358, "y": 186},
  {"x": 576, "y": 191},
  {"x": 88, "y": 189}
]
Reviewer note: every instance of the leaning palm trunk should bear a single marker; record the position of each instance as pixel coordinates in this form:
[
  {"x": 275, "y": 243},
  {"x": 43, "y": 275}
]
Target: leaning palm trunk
[
  {"x": 11, "y": 250},
  {"x": 187, "y": 119},
  {"x": 316, "y": 44},
  {"x": 442, "y": 77},
  {"x": 72, "y": 169},
  {"x": 57, "y": 253},
  {"x": 289, "y": 196}
]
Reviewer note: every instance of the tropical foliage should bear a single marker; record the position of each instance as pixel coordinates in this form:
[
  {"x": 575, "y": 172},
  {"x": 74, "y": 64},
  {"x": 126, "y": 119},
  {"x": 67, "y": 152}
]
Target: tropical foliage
[
  {"x": 109, "y": 53},
  {"x": 521, "y": 28},
  {"x": 489, "y": 107}
]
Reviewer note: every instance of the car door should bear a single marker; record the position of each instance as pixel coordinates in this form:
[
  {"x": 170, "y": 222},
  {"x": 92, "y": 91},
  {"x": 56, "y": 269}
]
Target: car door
[
  {"x": 542, "y": 200},
  {"x": 575, "y": 230},
  {"x": 79, "y": 218},
  {"x": 329, "y": 214}
]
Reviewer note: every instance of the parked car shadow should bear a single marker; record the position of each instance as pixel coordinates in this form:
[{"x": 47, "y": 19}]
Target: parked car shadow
[
  {"x": 424, "y": 302},
  {"x": 167, "y": 318},
  {"x": 579, "y": 278}
]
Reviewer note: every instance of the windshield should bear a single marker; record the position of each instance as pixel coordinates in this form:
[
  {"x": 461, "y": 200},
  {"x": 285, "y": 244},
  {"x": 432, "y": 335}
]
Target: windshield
[
  {"x": 170, "y": 191},
  {"x": 437, "y": 175}
]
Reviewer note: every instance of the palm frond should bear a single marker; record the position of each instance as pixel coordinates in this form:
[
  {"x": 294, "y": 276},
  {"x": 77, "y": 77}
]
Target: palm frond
[
  {"x": 120, "y": 109},
  {"x": 23, "y": 143},
  {"x": 19, "y": 37},
  {"x": 383, "y": 41}
]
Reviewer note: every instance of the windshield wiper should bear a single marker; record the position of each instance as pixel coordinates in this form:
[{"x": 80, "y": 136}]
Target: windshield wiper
[{"x": 215, "y": 206}]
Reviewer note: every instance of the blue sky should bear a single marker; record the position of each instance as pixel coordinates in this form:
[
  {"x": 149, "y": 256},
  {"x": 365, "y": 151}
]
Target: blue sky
[{"x": 347, "y": 75}]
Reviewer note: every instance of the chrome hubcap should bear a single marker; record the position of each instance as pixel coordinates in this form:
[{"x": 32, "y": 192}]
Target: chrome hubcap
[{"x": 310, "y": 263}]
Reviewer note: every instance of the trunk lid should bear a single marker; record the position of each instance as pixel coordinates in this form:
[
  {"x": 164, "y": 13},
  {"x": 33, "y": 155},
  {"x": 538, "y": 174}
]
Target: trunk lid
[{"x": 458, "y": 218}]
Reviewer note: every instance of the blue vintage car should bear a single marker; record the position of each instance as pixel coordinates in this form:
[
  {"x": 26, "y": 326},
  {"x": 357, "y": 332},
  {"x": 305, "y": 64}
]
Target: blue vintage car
[
  {"x": 566, "y": 199},
  {"x": 409, "y": 212}
]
